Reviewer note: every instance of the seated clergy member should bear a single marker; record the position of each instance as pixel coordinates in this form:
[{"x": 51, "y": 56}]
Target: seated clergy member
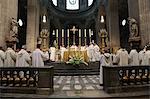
[
  {"x": 38, "y": 57},
  {"x": 2, "y": 57},
  {"x": 23, "y": 58},
  {"x": 10, "y": 56}
]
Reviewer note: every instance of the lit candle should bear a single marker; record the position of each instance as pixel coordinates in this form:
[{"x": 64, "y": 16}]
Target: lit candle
[
  {"x": 79, "y": 32},
  {"x": 53, "y": 32},
  {"x": 68, "y": 33},
  {"x": 56, "y": 32},
  {"x": 62, "y": 32},
  {"x": 91, "y": 32},
  {"x": 84, "y": 32}
]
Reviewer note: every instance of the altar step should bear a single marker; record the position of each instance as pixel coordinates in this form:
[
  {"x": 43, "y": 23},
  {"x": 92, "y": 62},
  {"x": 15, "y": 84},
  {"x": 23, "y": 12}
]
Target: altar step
[{"x": 63, "y": 69}]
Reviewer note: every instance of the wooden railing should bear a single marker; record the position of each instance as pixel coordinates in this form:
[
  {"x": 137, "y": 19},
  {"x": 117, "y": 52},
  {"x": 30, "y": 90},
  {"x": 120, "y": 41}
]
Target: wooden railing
[
  {"x": 26, "y": 80},
  {"x": 126, "y": 78}
]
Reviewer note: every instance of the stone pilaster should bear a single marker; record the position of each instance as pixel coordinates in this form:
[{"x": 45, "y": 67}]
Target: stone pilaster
[
  {"x": 32, "y": 24},
  {"x": 144, "y": 20},
  {"x": 113, "y": 23},
  {"x": 140, "y": 10},
  {"x": 8, "y": 9}
]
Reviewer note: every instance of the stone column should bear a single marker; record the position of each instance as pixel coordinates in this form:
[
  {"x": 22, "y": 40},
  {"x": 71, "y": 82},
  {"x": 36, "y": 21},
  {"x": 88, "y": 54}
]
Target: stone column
[
  {"x": 140, "y": 10},
  {"x": 32, "y": 24},
  {"x": 8, "y": 9},
  {"x": 144, "y": 20},
  {"x": 113, "y": 23}
]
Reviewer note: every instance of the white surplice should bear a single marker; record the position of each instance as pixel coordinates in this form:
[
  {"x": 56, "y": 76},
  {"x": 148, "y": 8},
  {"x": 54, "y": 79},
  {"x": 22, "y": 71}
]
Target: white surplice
[
  {"x": 105, "y": 60},
  {"x": 2, "y": 57},
  {"x": 134, "y": 57},
  {"x": 52, "y": 50},
  {"x": 122, "y": 57},
  {"x": 10, "y": 58},
  {"x": 146, "y": 60},
  {"x": 38, "y": 58},
  {"x": 141, "y": 57},
  {"x": 23, "y": 59}
]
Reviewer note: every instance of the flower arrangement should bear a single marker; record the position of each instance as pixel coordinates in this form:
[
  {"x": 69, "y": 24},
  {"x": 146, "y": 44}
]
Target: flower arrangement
[{"x": 76, "y": 60}]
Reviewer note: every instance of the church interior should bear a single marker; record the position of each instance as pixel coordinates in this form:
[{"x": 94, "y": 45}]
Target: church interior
[{"x": 75, "y": 49}]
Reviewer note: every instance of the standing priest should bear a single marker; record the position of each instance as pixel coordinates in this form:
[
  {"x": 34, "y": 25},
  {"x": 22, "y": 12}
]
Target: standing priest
[{"x": 2, "y": 57}]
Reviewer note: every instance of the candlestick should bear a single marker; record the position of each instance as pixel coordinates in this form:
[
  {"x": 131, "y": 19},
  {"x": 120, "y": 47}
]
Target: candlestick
[
  {"x": 62, "y": 32},
  {"x": 67, "y": 32},
  {"x": 84, "y": 32},
  {"x": 56, "y": 32},
  {"x": 79, "y": 32}
]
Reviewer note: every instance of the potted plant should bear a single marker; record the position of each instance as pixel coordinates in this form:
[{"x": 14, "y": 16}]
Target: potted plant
[{"x": 76, "y": 60}]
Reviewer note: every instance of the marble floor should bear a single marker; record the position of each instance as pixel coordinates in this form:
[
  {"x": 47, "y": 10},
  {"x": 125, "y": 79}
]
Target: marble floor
[{"x": 68, "y": 83}]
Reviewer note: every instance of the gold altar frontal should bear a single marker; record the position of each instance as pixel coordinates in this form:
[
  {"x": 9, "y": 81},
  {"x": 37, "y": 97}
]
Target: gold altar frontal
[{"x": 72, "y": 53}]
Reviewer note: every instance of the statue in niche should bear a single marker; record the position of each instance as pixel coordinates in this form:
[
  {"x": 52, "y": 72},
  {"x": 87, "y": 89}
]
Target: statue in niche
[
  {"x": 133, "y": 28},
  {"x": 13, "y": 34},
  {"x": 44, "y": 35}
]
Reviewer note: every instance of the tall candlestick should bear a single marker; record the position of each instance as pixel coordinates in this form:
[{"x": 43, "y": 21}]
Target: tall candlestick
[
  {"x": 67, "y": 32},
  {"x": 62, "y": 32},
  {"x": 79, "y": 32},
  {"x": 84, "y": 32},
  {"x": 56, "y": 32}
]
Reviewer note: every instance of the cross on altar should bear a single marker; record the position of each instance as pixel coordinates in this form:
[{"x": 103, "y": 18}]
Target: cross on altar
[{"x": 74, "y": 30}]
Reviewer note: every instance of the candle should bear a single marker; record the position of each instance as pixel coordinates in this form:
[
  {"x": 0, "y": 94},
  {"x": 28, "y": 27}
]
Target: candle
[
  {"x": 84, "y": 32},
  {"x": 68, "y": 33},
  {"x": 79, "y": 32},
  {"x": 89, "y": 32},
  {"x": 56, "y": 32},
  {"x": 62, "y": 32}
]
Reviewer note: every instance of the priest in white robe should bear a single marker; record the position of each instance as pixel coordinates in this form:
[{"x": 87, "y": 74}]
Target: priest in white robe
[
  {"x": 38, "y": 57},
  {"x": 74, "y": 47},
  {"x": 23, "y": 58},
  {"x": 105, "y": 60},
  {"x": 133, "y": 57},
  {"x": 141, "y": 56},
  {"x": 2, "y": 57},
  {"x": 96, "y": 52},
  {"x": 62, "y": 50},
  {"x": 91, "y": 53},
  {"x": 122, "y": 57},
  {"x": 52, "y": 51},
  {"x": 147, "y": 56},
  {"x": 10, "y": 57}
]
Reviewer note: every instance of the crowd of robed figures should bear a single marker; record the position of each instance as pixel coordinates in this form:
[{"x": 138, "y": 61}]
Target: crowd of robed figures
[{"x": 23, "y": 58}]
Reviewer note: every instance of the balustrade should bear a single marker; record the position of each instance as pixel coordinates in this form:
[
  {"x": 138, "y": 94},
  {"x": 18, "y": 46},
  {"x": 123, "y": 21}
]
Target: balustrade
[
  {"x": 126, "y": 78},
  {"x": 24, "y": 78}
]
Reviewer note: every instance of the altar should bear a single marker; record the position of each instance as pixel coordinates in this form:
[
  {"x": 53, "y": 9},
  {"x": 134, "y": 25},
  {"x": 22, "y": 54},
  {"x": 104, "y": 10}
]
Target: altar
[{"x": 70, "y": 53}]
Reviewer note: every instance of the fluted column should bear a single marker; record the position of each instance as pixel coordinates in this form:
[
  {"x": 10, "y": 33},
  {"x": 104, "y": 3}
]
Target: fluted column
[
  {"x": 32, "y": 24},
  {"x": 8, "y": 9}
]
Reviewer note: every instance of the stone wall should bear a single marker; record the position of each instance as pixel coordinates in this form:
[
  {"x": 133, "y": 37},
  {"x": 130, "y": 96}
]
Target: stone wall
[{"x": 8, "y": 9}]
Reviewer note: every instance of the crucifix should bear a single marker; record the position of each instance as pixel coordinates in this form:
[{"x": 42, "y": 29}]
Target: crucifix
[{"x": 74, "y": 30}]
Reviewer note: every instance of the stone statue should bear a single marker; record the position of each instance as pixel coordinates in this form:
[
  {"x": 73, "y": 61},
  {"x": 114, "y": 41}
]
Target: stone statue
[{"x": 133, "y": 28}]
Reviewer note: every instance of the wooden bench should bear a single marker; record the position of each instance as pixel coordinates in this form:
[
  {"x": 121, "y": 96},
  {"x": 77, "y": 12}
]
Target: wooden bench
[
  {"x": 126, "y": 78},
  {"x": 33, "y": 80}
]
